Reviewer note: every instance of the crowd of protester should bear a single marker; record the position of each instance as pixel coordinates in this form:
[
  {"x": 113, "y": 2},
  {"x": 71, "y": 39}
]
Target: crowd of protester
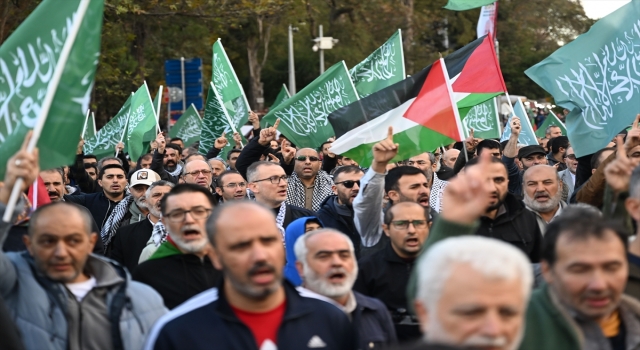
[{"x": 477, "y": 245}]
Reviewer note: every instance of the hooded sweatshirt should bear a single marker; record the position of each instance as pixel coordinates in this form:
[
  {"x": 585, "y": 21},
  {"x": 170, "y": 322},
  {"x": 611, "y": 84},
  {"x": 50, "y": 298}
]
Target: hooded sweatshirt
[{"x": 295, "y": 229}]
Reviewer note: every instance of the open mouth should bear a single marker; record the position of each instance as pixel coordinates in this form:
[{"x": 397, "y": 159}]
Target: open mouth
[
  {"x": 337, "y": 277},
  {"x": 282, "y": 192},
  {"x": 190, "y": 233},
  {"x": 598, "y": 302},
  {"x": 262, "y": 275},
  {"x": 115, "y": 187},
  {"x": 542, "y": 198},
  {"x": 423, "y": 201},
  {"x": 412, "y": 242}
]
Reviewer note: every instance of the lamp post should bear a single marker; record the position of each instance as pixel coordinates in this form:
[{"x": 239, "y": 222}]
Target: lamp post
[
  {"x": 323, "y": 43},
  {"x": 292, "y": 70}
]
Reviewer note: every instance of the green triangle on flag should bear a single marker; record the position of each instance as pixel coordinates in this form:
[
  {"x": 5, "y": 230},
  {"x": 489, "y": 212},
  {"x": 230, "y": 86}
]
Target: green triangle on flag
[
  {"x": 58, "y": 45},
  {"x": 463, "y": 5},
  {"x": 283, "y": 95},
  {"x": 551, "y": 120}
]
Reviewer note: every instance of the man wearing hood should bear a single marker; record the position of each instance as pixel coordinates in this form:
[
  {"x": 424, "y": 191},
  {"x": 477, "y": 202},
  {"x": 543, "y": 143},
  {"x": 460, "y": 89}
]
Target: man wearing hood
[
  {"x": 295, "y": 230},
  {"x": 337, "y": 210}
]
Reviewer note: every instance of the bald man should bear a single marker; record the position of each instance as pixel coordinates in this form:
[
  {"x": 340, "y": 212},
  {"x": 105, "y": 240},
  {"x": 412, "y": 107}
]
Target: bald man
[
  {"x": 308, "y": 186},
  {"x": 450, "y": 157},
  {"x": 542, "y": 194},
  {"x": 198, "y": 172}
]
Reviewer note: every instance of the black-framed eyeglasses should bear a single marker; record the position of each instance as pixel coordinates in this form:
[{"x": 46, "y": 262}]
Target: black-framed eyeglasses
[
  {"x": 275, "y": 179},
  {"x": 348, "y": 183},
  {"x": 311, "y": 158},
  {"x": 570, "y": 156},
  {"x": 204, "y": 172},
  {"x": 404, "y": 224},
  {"x": 234, "y": 185},
  {"x": 197, "y": 213}
]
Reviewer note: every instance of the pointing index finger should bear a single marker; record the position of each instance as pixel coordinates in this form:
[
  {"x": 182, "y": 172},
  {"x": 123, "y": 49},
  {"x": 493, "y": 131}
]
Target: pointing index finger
[
  {"x": 275, "y": 126},
  {"x": 390, "y": 134},
  {"x": 621, "y": 152}
]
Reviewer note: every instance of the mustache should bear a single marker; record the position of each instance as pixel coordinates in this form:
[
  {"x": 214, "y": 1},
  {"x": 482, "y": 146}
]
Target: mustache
[{"x": 260, "y": 266}]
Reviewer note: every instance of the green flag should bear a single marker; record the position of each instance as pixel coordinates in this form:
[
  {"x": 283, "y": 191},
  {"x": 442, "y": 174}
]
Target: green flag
[
  {"x": 484, "y": 119},
  {"x": 142, "y": 119},
  {"x": 215, "y": 121},
  {"x": 462, "y": 5},
  {"x": 90, "y": 126},
  {"x": 229, "y": 88},
  {"x": 384, "y": 67},
  {"x": 188, "y": 127},
  {"x": 283, "y": 95},
  {"x": 596, "y": 77},
  {"x": 551, "y": 120},
  {"x": 103, "y": 144},
  {"x": 30, "y": 59},
  {"x": 303, "y": 117},
  {"x": 527, "y": 135}
]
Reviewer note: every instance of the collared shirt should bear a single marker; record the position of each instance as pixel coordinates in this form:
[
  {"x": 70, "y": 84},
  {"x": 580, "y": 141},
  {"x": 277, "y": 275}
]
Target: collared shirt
[{"x": 542, "y": 223}]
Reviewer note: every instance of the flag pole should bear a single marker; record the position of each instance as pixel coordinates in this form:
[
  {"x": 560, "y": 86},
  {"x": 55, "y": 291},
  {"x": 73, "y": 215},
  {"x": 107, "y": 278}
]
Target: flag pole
[
  {"x": 158, "y": 109},
  {"x": 93, "y": 117},
  {"x": 84, "y": 128},
  {"x": 124, "y": 131},
  {"x": 48, "y": 100}
]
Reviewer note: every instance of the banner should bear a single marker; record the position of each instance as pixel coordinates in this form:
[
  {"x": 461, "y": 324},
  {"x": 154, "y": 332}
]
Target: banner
[
  {"x": 487, "y": 21},
  {"x": 229, "y": 88},
  {"x": 215, "y": 121},
  {"x": 597, "y": 78},
  {"x": 527, "y": 135},
  {"x": 188, "y": 126},
  {"x": 28, "y": 60},
  {"x": 484, "y": 119},
  {"x": 384, "y": 67},
  {"x": 103, "y": 144},
  {"x": 142, "y": 119},
  {"x": 283, "y": 95},
  {"x": 303, "y": 117}
]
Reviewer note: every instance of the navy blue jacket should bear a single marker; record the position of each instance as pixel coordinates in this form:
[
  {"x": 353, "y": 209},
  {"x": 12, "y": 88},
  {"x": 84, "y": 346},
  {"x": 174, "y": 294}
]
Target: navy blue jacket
[
  {"x": 207, "y": 321},
  {"x": 374, "y": 324},
  {"x": 333, "y": 217},
  {"x": 98, "y": 204}
]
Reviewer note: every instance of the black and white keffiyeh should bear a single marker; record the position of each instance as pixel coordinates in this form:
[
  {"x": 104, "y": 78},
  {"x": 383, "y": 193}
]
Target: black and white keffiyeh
[
  {"x": 176, "y": 172},
  {"x": 114, "y": 221},
  {"x": 321, "y": 190},
  {"x": 437, "y": 191},
  {"x": 159, "y": 233}
]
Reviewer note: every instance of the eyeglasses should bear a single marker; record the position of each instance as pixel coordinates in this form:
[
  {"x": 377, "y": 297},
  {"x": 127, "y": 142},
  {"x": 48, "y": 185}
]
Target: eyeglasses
[
  {"x": 404, "y": 224},
  {"x": 275, "y": 179},
  {"x": 311, "y": 158},
  {"x": 570, "y": 156},
  {"x": 348, "y": 183},
  {"x": 234, "y": 185},
  {"x": 197, "y": 213},
  {"x": 196, "y": 172}
]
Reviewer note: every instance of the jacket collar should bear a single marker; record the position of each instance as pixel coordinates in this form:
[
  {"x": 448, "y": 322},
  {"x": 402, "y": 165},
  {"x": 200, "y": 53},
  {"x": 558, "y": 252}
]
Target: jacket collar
[
  {"x": 391, "y": 255},
  {"x": 365, "y": 302}
]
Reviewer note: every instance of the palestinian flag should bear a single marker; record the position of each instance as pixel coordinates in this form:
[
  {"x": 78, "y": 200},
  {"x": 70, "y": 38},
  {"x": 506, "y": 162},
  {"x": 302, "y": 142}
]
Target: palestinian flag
[{"x": 475, "y": 77}]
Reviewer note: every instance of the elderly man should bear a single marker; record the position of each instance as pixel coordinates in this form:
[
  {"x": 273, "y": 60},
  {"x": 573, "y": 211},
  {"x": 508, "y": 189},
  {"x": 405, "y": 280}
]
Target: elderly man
[
  {"x": 54, "y": 183},
  {"x": 327, "y": 264},
  {"x": 542, "y": 194},
  {"x": 528, "y": 156},
  {"x": 198, "y": 172},
  {"x": 308, "y": 185},
  {"x": 473, "y": 292},
  {"x": 217, "y": 166},
  {"x": 268, "y": 182},
  {"x": 231, "y": 186},
  {"x": 60, "y": 295},
  {"x": 130, "y": 240},
  {"x": 568, "y": 176},
  {"x": 450, "y": 156},
  {"x": 385, "y": 274},
  {"x": 253, "y": 307},
  {"x": 181, "y": 267}
]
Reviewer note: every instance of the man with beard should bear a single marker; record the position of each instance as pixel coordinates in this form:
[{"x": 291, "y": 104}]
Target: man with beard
[
  {"x": 308, "y": 186},
  {"x": 268, "y": 182},
  {"x": 427, "y": 163},
  {"x": 568, "y": 176},
  {"x": 232, "y": 157},
  {"x": 326, "y": 261},
  {"x": 181, "y": 267},
  {"x": 217, "y": 166},
  {"x": 337, "y": 210},
  {"x": 198, "y": 172},
  {"x": 253, "y": 307},
  {"x": 450, "y": 156},
  {"x": 138, "y": 186},
  {"x": 230, "y": 186},
  {"x": 92, "y": 171},
  {"x": 53, "y": 181},
  {"x": 166, "y": 160},
  {"x": 528, "y": 155},
  {"x": 401, "y": 184},
  {"x": 129, "y": 241},
  {"x": 542, "y": 192},
  {"x": 385, "y": 274}
]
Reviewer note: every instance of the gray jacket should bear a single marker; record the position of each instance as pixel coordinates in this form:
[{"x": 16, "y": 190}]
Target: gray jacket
[
  {"x": 43, "y": 309},
  {"x": 367, "y": 208},
  {"x": 566, "y": 177}
]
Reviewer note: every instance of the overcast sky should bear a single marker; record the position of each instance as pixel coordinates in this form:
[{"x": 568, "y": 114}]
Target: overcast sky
[{"x": 599, "y": 8}]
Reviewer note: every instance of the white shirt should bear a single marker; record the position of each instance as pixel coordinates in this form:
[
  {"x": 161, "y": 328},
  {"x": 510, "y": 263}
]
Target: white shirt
[{"x": 81, "y": 289}]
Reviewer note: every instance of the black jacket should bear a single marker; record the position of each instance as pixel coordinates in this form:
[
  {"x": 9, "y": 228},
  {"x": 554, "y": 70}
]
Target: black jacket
[
  {"x": 178, "y": 277},
  {"x": 384, "y": 275},
  {"x": 293, "y": 213},
  {"x": 82, "y": 179},
  {"x": 334, "y": 215},
  {"x": 251, "y": 153},
  {"x": 518, "y": 226},
  {"x": 129, "y": 241},
  {"x": 157, "y": 165},
  {"x": 373, "y": 323},
  {"x": 208, "y": 321},
  {"x": 98, "y": 204}
]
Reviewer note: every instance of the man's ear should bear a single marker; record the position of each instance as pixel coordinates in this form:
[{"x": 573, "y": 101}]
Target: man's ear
[
  {"x": 93, "y": 237},
  {"x": 100, "y": 182},
  {"x": 253, "y": 187},
  {"x": 545, "y": 269},
  {"x": 219, "y": 191},
  {"x": 385, "y": 228},
  {"x": 334, "y": 189},
  {"x": 300, "y": 268},
  {"x": 393, "y": 195},
  {"x": 26, "y": 239}
]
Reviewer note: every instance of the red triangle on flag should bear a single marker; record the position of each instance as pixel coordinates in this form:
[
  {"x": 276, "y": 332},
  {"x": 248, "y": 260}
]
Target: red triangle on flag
[
  {"x": 434, "y": 107},
  {"x": 481, "y": 73},
  {"x": 38, "y": 194}
]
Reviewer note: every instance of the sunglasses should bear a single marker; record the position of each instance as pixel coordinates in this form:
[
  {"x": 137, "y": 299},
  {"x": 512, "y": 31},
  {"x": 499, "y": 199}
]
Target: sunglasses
[
  {"x": 349, "y": 183},
  {"x": 311, "y": 158}
]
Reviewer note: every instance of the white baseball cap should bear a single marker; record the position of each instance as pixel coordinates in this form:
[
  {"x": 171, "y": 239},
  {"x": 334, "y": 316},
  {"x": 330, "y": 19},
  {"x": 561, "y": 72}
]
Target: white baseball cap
[{"x": 144, "y": 177}]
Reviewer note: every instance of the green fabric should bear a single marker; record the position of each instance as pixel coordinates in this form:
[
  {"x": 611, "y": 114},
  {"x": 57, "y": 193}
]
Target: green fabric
[
  {"x": 462, "y": 5},
  {"x": 103, "y": 144},
  {"x": 188, "y": 127},
  {"x": 29, "y": 58},
  {"x": 484, "y": 119},
  {"x": 441, "y": 230},
  {"x": 142, "y": 120},
  {"x": 595, "y": 77},
  {"x": 283, "y": 95},
  {"x": 551, "y": 120},
  {"x": 304, "y": 116},
  {"x": 527, "y": 135},
  {"x": 383, "y": 68},
  {"x": 164, "y": 250},
  {"x": 546, "y": 326}
]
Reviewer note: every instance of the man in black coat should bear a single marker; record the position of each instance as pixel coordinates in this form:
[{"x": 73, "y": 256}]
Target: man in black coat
[
  {"x": 130, "y": 240},
  {"x": 337, "y": 211}
]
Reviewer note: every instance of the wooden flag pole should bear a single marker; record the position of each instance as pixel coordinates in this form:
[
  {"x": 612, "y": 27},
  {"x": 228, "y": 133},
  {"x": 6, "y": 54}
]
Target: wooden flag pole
[{"x": 46, "y": 103}]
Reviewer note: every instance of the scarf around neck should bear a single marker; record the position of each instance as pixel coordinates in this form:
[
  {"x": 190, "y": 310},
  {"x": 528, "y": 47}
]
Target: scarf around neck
[
  {"x": 115, "y": 220},
  {"x": 321, "y": 189}
]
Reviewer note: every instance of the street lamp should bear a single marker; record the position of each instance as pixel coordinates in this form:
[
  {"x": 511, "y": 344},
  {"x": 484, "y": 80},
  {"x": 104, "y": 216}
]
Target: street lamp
[
  {"x": 292, "y": 70},
  {"x": 323, "y": 43}
]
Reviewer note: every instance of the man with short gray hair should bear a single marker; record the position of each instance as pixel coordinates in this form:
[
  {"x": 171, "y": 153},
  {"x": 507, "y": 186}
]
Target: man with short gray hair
[
  {"x": 198, "y": 172},
  {"x": 326, "y": 261},
  {"x": 542, "y": 189}
]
